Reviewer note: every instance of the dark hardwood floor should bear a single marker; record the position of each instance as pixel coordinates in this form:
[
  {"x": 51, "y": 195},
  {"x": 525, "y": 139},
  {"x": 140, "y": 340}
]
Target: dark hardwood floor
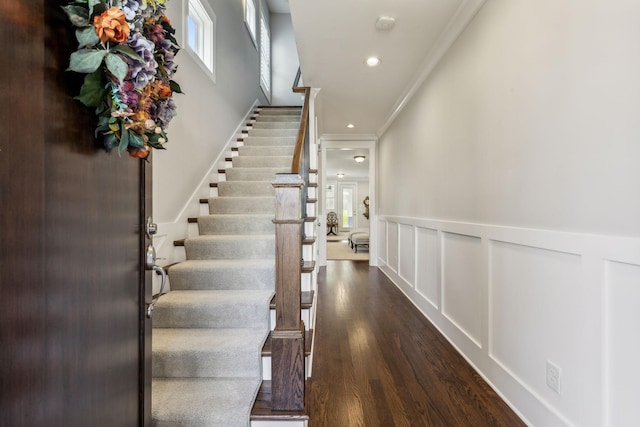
[{"x": 379, "y": 362}]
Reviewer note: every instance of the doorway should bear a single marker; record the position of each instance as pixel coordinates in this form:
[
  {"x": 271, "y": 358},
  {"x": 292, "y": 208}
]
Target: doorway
[
  {"x": 347, "y": 217},
  {"x": 339, "y": 169}
]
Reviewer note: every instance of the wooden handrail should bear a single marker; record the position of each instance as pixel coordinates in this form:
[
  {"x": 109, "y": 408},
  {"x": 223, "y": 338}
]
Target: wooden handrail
[{"x": 304, "y": 124}]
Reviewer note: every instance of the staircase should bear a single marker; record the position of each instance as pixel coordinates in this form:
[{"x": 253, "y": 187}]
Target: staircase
[{"x": 210, "y": 329}]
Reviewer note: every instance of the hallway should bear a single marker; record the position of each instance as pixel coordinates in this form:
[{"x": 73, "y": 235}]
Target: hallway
[{"x": 379, "y": 362}]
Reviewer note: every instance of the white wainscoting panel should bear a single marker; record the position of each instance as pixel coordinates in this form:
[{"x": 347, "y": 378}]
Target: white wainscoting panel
[
  {"x": 623, "y": 343},
  {"x": 407, "y": 248},
  {"x": 462, "y": 284},
  {"x": 428, "y": 265},
  {"x": 392, "y": 246},
  {"x": 382, "y": 241},
  {"x": 510, "y": 299},
  {"x": 539, "y": 313}
]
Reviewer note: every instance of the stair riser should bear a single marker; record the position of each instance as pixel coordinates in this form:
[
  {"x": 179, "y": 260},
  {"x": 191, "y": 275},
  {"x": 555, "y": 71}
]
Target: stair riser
[
  {"x": 279, "y": 112},
  {"x": 283, "y": 162},
  {"x": 238, "y": 315},
  {"x": 273, "y": 132},
  {"x": 245, "y": 189},
  {"x": 235, "y": 225},
  {"x": 276, "y": 125},
  {"x": 208, "y": 365},
  {"x": 249, "y": 174},
  {"x": 218, "y": 279},
  {"x": 233, "y": 205},
  {"x": 272, "y": 118},
  {"x": 230, "y": 249},
  {"x": 268, "y": 141},
  {"x": 266, "y": 151}
]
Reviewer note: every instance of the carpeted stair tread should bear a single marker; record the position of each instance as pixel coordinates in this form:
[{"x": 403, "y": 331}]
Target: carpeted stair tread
[
  {"x": 240, "y": 205},
  {"x": 203, "y": 402},
  {"x": 213, "y": 309},
  {"x": 236, "y": 224},
  {"x": 219, "y": 352},
  {"x": 230, "y": 247},
  {"x": 233, "y": 274}
]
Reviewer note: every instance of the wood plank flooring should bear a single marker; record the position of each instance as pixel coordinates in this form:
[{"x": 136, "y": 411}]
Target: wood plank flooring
[{"x": 379, "y": 362}]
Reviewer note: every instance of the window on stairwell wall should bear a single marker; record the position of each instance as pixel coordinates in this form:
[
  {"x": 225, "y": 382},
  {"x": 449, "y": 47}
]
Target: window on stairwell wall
[
  {"x": 265, "y": 55},
  {"x": 200, "y": 35},
  {"x": 250, "y": 19}
]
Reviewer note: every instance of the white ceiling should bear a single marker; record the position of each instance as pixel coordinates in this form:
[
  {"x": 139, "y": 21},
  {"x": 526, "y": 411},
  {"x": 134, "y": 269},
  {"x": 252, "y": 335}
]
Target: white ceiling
[
  {"x": 341, "y": 160},
  {"x": 334, "y": 37}
]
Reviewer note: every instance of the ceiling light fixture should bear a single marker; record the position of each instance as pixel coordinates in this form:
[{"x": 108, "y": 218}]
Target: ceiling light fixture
[
  {"x": 359, "y": 158},
  {"x": 385, "y": 23},
  {"x": 351, "y": 125},
  {"x": 340, "y": 174},
  {"x": 373, "y": 61}
]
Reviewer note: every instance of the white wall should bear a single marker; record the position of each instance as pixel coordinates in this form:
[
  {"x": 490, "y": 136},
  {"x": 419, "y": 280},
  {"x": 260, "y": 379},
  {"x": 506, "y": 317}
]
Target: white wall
[
  {"x": 284, "y": 55},
  {"x": 517, "y": 229}
]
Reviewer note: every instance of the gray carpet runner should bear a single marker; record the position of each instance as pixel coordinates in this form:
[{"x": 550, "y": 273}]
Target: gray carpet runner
[{"x": 208, "y": 331}]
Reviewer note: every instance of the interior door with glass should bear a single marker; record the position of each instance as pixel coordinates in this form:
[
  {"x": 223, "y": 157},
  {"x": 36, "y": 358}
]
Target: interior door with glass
[{"x": 347, "y": 206}]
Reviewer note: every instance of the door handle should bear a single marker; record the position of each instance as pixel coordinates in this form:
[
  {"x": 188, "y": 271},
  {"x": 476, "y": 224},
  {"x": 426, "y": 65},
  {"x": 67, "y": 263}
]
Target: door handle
[
  {"x": 155, "y": 299},
  {"x": 150, "y": 264}
]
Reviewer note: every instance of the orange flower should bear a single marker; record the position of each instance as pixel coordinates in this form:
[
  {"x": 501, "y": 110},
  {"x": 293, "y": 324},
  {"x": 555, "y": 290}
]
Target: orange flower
[
  {"x": 112, "y": 25},
  {"x": 164, "y": 90},
  {"x": 139, "y": 153}
]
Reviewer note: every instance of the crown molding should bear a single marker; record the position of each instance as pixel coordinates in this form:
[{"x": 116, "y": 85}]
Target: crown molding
[{"x": 455, "y": 27}]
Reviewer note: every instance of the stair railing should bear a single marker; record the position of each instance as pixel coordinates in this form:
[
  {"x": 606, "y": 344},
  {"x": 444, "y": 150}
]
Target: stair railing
[{"x": 287, "y": 348}]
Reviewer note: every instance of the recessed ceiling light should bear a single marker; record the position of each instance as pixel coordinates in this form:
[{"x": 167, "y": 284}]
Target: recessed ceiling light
[
  {"x": 373, "y": 61},
  {"x": 340, "y": 174},
  {"x": 351, "y": 125}
]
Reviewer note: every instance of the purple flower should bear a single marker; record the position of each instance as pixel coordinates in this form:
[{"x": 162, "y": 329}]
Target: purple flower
[
  {"x": 142, "y": 72},
  {"x": 130, "y": 8},
  {"x": 162, "y": 112}
]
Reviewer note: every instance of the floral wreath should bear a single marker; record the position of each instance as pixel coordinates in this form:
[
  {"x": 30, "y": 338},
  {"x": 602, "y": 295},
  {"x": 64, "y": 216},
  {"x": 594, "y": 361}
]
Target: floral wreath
[{"x": 126, "y": 48}]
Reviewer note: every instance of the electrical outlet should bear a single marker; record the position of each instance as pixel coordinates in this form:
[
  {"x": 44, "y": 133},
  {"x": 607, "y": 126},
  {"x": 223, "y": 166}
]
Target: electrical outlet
[{"x": 553, "y": 376}]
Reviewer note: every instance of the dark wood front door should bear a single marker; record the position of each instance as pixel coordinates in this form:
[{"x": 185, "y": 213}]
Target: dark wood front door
[{"x": 74, "y": 347}]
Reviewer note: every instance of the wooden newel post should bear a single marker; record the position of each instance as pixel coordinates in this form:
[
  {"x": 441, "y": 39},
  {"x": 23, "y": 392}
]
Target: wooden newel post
[{"x": 287, "y": 345}]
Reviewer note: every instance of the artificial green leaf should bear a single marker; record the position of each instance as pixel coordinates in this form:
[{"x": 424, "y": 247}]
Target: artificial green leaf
[
  {"x": 175, "y": 87},
  {"x": 86, "y": 60},
  {"x": 97, "y": 7},
  {"x": 110, "y": 141},
  {"x": 87, "y": 36},
  {"x": 92, "y": 4},
  {"x": 78, "y": 15},
  {"x": 92, "y": 91},
  {"x": 116, "y": 66},
  {"x": 136, "y": 140},
  {"x": 126, "y": 50},
  {"x": 124, "y": 139}
]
